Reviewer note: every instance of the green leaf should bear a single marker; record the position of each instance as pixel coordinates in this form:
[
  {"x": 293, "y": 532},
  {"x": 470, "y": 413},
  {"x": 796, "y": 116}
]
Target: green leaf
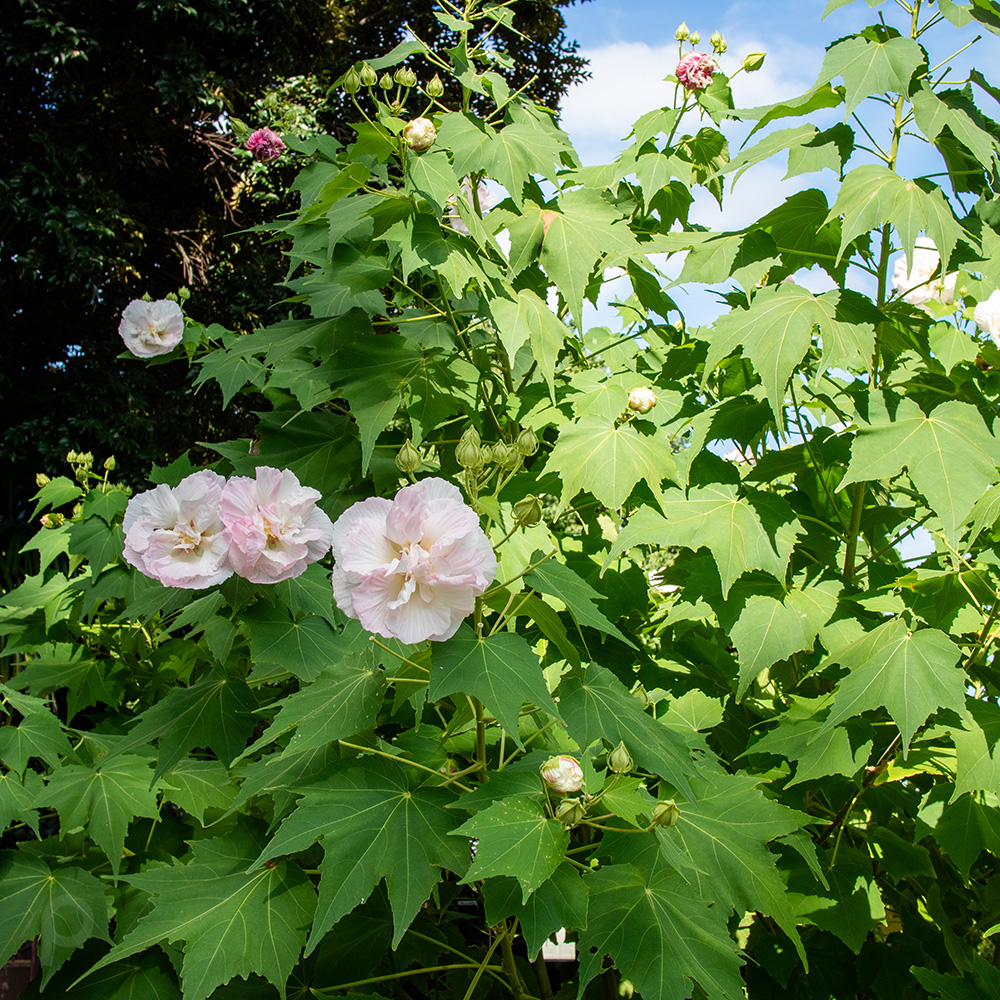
[
  {"x": 558, "y": 580},
  {"x": 67, "y": 666},
  {"x": 950, "y": 455},
  {"x": 977, "y": 766},
  {"x": 56, "y": 493},
  {"x": 516, "y": 839},
  {"x": 528, "y": 318},
  {"x": 64, "y": 906},
  {"x": 104, "y": 800},
  {"x": 500, "y": 670},
  {"x": 597, "y": 706},
  {"x": 49, "y": 543},
  {"x": 38, "y": 734},
  {"x": 373, "y": 825},
  {"x": 593, "y": 454},
  {"x": 661, "y": 938},
  {"x": 743, "y": 534},
  {"x": 560, "y": 901},
  {"x": 199, "y": 785},
  {"x": 304, "y": 647},
  {"x": 981, "y": 983},
  {"x": 96, "y": 542},
  {"x": 17, "y": 796},
  {"x": 145, "y": 977},
  {"x": 821, "y": 96},
  {"x": 232, "y": 923},
  {"x": 775, "y": 142},
  {"x": 871, "y": 67},
  {"x": 106, "y": 506},
  {"x": 967, "y": 827},
  {"x": 935, "y": 112},
  {"x": 432, "y": 175},
  {"x": 910, "y": 674}
]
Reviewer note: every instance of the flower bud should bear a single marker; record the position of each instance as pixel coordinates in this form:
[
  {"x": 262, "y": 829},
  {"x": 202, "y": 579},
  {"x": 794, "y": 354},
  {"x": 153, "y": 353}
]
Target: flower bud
[
  {"x": 385, "y": 81},
  {"x": 368, "y": 76},
  {"x": 528, "y": 512},
  {"x": 639, "y": 691},
  {"x": 434, "y": 88},
  {"x": 52, "y": 520},
  {"x": 352, "y": 81},
  {"x": 718, "y": 42},
  {"x": 78, "y": 507},
  {"x": 526, "y": 443},
  {"x": 487, "y": 454},
  {"x": 620, "y": 760},
  {"x": 695, "y": 37},
  {"x": 469, "y": 451},
  {"x": 419, "y": 134},
  {"x": 753, "y": 62},
  {"x": 110, "y": 463},
  {"x": 81, "y": 473},
  {"x": 86, "y": 459},
  {"x": 71, "y": 457},
  {"x": 666, "y": 813},
  {"x": 41, "y": 479},
  {"x": 563, "y": 773},
  {"x": 408, "y": 458},
  {"x": 682, "y": 33},
  {"x": 405, "y": 77},
  {"x": 506, "y": 457},
  {"x": 265, "y": 145},
  {"x": 641, "y": 400},
  {"x": 239, "y": 127},
  {"x": 570, "y": 812}
]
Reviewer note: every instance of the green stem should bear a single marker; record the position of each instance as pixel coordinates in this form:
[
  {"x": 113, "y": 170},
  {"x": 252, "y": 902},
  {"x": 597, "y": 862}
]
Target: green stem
[
  {"x": 402, "y": 760},
  {"x": 323, "y": 990},
  {"x": 510, "y": 966}
]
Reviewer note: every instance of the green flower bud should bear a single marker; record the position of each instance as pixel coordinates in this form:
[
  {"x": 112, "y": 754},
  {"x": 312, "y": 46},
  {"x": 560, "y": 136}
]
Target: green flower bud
[
  {"x": 352, "y": 81},
  {"x": 81, "y": 473},
  {"x": 526, "y": 443},
  {"x": 506, "y": 457},
  {"x": 434, "y": 88},
  {"x": 639, "y": 691},
  {"x": 110, "y": 463},
  {"x": 695, "y": 37},
  {"x": 86, "y": 459},
  {"x": 385, "y": 81},
  {"x": 718, "y": 42},
  {"x": 52, "y": 520},
  {"x": 682, "y": 33},
  {"x": 239, "y": 127},
  {"x": 71, "y": 457},
  {"x": 405, "y": 77},
  {"x": 368, "y": 76},
  {"x": 78, "y": 507},
  {"x": 41, "y": 479},
  {"x": 666, "y": 813},
  {"x": 570, "y": 812},
  {"x": 753, "y": 62},
  {"x": 183, "y": 294},
  {"x": 620, "y": 760},
  {"x": 408, "y": 458},
  {"x": 469, "y": 451},
  {"x": 528, "y": 512}
]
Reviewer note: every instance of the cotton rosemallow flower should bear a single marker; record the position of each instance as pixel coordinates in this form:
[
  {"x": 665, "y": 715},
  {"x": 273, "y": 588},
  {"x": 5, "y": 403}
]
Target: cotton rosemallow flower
[
  {"x": 695, "y": 70},
  {"x": 411, "y": 568},
  {"x": 265, "y": 145},
  {"x": 176, "y": 535},
  {"x": 916, "y": 283},
  {"x": 563, "y": 773},
  {"x": 419, "y": 134},
  {"x": 986, "y": 316},
  {"x": 274, "y": 527},
  {"x": 641, "y": 400},
  {"x": 151, "y": 328}
]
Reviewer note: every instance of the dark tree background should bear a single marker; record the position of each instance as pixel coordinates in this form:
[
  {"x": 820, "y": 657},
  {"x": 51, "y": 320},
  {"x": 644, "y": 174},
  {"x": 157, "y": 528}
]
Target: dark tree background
[{"x": 116, "y": 180}]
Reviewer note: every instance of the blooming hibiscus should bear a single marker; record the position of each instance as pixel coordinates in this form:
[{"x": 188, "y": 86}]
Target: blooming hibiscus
[
  {"x": 151, "y": 328},
  {"x": 275, "y": 528},
  {"x": 177, "y": 536},
  {"x": 986, "y": 316},
  {"x": 411, "y": 568},
  {"x": 916, "y": 283},
  {"x": 695, "y": 70},
  {"x": 265, "y": 145},
  {"x": 563, "y": 773}
]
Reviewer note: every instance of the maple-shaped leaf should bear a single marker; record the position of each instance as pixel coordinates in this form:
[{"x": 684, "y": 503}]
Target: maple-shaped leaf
[
  {"x": 560, "y": 901},
  {"x": 528, "y": 318},
  {"x": 148, "y": 976},
  {"x": 593, "y": 454},
  {"x": 516, "y": 839},
  {"x": 199, "y": 785},
  {"x": 373, "y": 825},
  {"x": 871, "y": 67},
  {"x": 910, "y": 674},
  {"x": 950, "y": 455},
  {"x": 105, "y": 799},
  {"x": 38, "y": 734},
  {"x": 977, "y": 764},
  {"x": 500, "y": 670},
  {"x": 64, "y": 906},
  {"x": 951, "y": 109},
  {"x": 660, "y": 936},
  {"x": 342, "y": 701},
  {"x": 981, "y": 982},
  {"x": 232, "y": 922},
  {"x": 17, "y": 797},
  {"x": 967, "y": 827},
  {"x": 432, "y": 175},
  {"x": 86, "y": 680},
  {"x": 742, "y": 533},
  {"x": 598, "y": 706}
]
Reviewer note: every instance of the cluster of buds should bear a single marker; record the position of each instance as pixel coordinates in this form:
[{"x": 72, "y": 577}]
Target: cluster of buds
[
  {"x": 471, "y": 454},
  {"x": 718, "y": 43}
]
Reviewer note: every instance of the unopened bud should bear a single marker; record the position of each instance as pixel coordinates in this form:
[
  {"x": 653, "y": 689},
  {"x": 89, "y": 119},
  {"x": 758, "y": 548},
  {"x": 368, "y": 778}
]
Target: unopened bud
[
  {"x": 419, "y": 134},
  {"x": 526, "y": 443},
  {"x": 110, "y": 463},
  {"x": 641, "y": 400},
  {"x": 81, "y": 473},
  {"x": 71, "y": 457},
  {"x": 183, "y": 293},
  {"x": 239, "y": 127},
  {"x": 78, "y": 507},
  {"x": 368, "y": 76},
  {"x": 639, "y": 691},
  {"x": 695, "y": 37},
  {"x": 753, "y": 62},
  {"x": 434, "y": 88},
  {"x": 408, "y": 458},
  {"x": 528, "y": 512},
  {"x": 666, "y": 813},
  {"x": 52, "y": 520},
  {"x": 620, "y": 760},
  {"x": 352, "y": 81},
  {"x": 405, "y": 77},
  {"x": 563, "y": 773},
  {"x": 506, "y": 457},
  {"x": 41, "y": 479},
  {"x": 385, "y": 81},
  {"x": 86, "y": 459},
  {"x": 469, "y": 451},
  {"x": 718, "y": 42},
  {"x": 682, "y": 33},
  {"x": 570, "y": 812}
]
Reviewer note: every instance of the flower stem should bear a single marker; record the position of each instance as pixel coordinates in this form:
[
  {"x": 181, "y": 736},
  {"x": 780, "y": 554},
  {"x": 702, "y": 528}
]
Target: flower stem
[{"x": 509, "y": 965}]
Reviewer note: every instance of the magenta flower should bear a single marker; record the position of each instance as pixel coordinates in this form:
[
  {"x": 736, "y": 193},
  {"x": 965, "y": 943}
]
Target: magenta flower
[
  {"x": 411, "y": 568},
  {"x": 177, "y": 536},
  {"x": 274, "y": 527},
  {"x": 265, "y": 145},
  {"x": 695, "y": 70},
  {"x": 151, "y": 328}
]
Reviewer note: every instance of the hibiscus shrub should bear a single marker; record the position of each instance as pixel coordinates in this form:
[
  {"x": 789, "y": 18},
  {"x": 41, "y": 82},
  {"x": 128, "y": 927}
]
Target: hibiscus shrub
[{"x": 677, "y": 641}]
